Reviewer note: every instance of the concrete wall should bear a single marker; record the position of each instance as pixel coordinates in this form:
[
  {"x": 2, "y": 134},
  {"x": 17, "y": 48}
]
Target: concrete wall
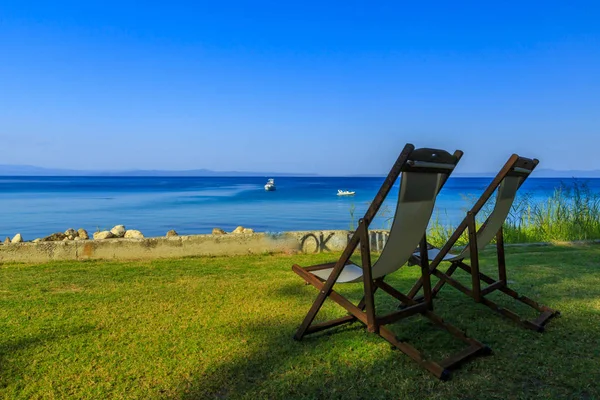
[
  {"x": 196, "y": 245},
  {"x": 182, "y": 246}
]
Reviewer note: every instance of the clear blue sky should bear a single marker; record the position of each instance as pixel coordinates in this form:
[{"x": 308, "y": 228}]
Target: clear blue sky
[{"x": 325, "y": 87}]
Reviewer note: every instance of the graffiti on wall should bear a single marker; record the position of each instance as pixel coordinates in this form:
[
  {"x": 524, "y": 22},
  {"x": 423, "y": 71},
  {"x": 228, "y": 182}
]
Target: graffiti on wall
[{"x": 313, "y": 243}]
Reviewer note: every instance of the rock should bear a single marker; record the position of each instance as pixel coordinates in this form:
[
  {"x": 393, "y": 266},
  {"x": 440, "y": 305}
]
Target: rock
[
  {"x": 172, "y": 233},
  {"x": 241, "y": 229},
  {"x": 82, "y": 233},
  {"x": 118, "y": 231},
  {"x": 71, "y": 233},
  {"x": 7, "y": 240},
  {"x": 36, "y": 240},
  {"x": 66, "y": 239},
  {"x": 55, "y": 237},
  {"x": 133, "y": 234},
  {"x": 218, "y": 231},
  {"x": 78, "y": 238},
  {"x": 17, "y": 239},
  {"x": 103, "y": 235}
]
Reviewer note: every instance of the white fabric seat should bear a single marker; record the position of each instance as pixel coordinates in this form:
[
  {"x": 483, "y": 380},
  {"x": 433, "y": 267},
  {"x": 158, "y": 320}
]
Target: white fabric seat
[
  {"x": 350, "y": 273},
  {"x": 432, "y": 254}
]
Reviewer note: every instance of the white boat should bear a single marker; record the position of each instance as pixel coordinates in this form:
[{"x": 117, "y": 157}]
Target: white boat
[
  {"x": 345, "y": 193},
  {"x": 270, "y": 186}
]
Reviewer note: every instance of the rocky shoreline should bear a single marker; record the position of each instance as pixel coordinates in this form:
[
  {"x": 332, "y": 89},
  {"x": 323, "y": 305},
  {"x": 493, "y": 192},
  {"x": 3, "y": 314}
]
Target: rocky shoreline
[{"x": 117, "y": 232}]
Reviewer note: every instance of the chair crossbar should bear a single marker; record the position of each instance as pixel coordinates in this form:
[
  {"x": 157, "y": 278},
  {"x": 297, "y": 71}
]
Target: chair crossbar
[
  {"x": 330, "y": 324},
  {"x": 404, "y": 313},
  {"x": 460, "y": 356},
  {"x": 320, "y": 267},
  {"x": 543, "y": 318},
  {"x": 394, "y": 292},
  {"x": 490, "y": 288},
  {"x": 453, "y": 282}
]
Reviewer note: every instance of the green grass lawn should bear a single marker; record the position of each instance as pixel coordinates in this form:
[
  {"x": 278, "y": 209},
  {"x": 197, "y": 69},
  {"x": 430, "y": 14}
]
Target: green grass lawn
[{"x": 222, "y": 328}]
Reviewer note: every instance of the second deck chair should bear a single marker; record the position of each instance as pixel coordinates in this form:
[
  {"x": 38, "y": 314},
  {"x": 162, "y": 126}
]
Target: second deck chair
[
  {"x": 424, "y": 172},
  {"x": 507, "y": 182}
]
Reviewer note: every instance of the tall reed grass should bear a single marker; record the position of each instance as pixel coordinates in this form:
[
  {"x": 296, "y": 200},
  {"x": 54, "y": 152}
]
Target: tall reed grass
[{"x": 571, "y": 213}]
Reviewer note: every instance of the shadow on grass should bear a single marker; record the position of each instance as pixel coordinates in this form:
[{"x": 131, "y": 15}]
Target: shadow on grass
[
  {"x": 337, "y": 363},
  {"x": 348, "y": 362},
  {"x": 319, "y": 367}
]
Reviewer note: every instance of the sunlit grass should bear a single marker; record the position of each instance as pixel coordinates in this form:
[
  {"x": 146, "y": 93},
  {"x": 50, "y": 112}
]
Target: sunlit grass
[{"x": 222, "y": 328}]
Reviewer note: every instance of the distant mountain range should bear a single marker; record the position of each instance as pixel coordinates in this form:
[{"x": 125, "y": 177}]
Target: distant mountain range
[
  {"x": 29, "y": 170},
  {"x": 544, "y": 173}
]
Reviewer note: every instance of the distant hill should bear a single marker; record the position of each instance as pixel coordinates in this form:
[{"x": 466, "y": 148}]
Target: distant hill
[
  {"x": 551, "y": 173},
  {"x": 539, "y": 173},
  {"x": 542, "y": 173},
  {"x": 29, "y": 170}
]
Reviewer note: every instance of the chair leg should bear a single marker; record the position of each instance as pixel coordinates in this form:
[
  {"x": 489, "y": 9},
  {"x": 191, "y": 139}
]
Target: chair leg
[
  {"x": 546, "y": 313},
  {"x": 325, "y": 290},
  {"x": 356, "y": 313},
  {"x": 425, "y": 273},
  {"x": 537, "y": 324},
  {"x": 369, "y": 298},
  {"x": 310, "y": 316},
  {"x": 474, "y": 251}
]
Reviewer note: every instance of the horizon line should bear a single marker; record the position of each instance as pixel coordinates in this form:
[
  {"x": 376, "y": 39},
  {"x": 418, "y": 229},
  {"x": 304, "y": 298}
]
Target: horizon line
[
  {"x": 276, "y": 175},
  {"x": 16, "y": 170}
]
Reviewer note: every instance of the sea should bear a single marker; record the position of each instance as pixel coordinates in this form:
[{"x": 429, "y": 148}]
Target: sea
[{"x": 39, "y": 206}]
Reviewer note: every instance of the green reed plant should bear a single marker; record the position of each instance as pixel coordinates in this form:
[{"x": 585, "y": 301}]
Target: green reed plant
[
  {"x": 352, "y": 219},
  {"x": 383, "y": 219},
  {"x": 438, "y": 233},
  {"x": 571, "y": 213}
]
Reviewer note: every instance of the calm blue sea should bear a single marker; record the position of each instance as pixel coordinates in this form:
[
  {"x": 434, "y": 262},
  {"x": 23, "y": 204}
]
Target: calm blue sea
[{"x": 39, "y": 206}]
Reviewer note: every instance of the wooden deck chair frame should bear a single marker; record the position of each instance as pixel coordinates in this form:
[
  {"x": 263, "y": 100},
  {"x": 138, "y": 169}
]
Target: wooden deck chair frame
[
  {"x": 365, "y": 312},
  {"x": 516, "y": 166}
]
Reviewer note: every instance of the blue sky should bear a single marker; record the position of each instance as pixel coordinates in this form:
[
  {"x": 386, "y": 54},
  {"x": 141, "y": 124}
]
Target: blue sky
[{"x": 316, "y": 87}]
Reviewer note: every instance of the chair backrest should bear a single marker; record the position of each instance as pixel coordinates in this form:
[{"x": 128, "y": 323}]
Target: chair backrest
[
  {"x": 421, "y": 179},
  {"x": 510, "y": 180}
]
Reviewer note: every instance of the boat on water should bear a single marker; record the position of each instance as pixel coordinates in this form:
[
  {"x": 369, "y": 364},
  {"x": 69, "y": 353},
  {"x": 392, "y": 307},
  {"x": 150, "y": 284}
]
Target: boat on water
[
  {"x": 270, "y": 186},
  {"x": 345, "y": 193}
]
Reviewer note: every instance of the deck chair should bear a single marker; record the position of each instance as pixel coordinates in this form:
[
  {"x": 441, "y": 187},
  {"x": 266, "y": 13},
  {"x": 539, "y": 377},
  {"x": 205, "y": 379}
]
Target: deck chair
[
  {"x": 506, "y": 183},
  {"x": 424, "y": 172}
]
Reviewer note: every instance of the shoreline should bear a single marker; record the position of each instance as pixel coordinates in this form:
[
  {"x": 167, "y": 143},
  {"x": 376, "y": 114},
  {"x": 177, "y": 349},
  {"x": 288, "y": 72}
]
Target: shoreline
[{"x": 204, "y": 245}]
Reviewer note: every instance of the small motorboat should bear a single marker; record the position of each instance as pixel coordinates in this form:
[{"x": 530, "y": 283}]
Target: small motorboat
[
  {"x": 345, "y": 193},
  {"x": 270, "y": 186}
]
